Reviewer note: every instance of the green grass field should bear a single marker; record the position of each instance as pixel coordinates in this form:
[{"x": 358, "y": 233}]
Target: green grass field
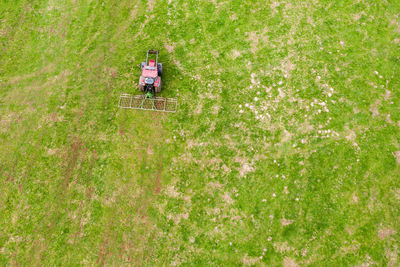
[{"x": 285, "y": 150}]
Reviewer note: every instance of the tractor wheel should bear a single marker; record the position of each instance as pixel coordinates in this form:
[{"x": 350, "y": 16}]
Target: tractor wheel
[
  {"x": 143, "y": 64},
  {"x": 159, "y": 69},
  {"x": 158, "y": 88}
]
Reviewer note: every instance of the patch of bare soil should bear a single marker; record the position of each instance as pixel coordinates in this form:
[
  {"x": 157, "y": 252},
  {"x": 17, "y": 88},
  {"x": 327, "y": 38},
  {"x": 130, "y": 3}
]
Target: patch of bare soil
[
  {"x": 386, "y": 232},
  {"x": 227, "y": 198},
  {"x": 286, "y": 222},
  {"x": 289, "y": 262},
  {"x": 397, "y": 156},
  {"x": 357, "y": 17},
  {"x": 170, "y": 47},
  {"x": 198, "y": 109},
  {"x": 395, "y": 23},
  {"x": 287, "y": 66},
  {"x": 151, "y": 4},
  {"x": 121, "y": 131},
  {"x": 392, "y": 256},
  {"x": 354, "y": 198},
  {"x": 286, "y": 136},
  {"x": 282, "y": 247},
  {"x": 254, "y": 40},
  {"x": 375, "y": 108},
  {"x": 246, "y": 168},
  {"x": 250, "y": 261},
  {"x": 235, "y": 54},
  {"x": 351, "y": 136},
  {"x": 387, "y": 94}
]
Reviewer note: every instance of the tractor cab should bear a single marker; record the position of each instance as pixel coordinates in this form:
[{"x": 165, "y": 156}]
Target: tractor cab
[{"x": 150, "y": 80}]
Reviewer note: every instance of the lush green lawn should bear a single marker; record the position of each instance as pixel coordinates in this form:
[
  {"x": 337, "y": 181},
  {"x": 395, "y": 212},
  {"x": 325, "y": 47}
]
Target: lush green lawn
[{"x": 285, "y": 149}]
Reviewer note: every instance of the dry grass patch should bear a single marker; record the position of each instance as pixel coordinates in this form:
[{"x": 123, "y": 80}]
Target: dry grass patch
[{"x": 386, "y": 232}]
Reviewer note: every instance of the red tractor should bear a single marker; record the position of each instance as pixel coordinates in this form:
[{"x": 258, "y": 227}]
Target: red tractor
[
  {"x": 150, "y": 84},
  {"x": 150, "y": 80}
]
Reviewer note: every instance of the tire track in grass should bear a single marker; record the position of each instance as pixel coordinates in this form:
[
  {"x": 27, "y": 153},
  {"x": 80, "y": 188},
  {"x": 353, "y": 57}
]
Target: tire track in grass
[
  {"x": 72, "y": 156},
  {"x": 157, "y": 183},
  {"x": 142, "y": 152}
]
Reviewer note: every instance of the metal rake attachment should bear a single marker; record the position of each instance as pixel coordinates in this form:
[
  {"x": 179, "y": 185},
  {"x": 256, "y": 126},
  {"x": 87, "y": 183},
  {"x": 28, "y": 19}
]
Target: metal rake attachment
[{"x": 147, "y": 102}]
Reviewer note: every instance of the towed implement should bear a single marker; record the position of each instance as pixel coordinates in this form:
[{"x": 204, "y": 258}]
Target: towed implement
[{"x": 150, "y": 84}]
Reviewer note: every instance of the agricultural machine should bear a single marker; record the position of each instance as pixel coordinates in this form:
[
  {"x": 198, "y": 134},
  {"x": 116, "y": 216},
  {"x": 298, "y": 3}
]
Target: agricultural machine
[{"x": 150, "y": 84}]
